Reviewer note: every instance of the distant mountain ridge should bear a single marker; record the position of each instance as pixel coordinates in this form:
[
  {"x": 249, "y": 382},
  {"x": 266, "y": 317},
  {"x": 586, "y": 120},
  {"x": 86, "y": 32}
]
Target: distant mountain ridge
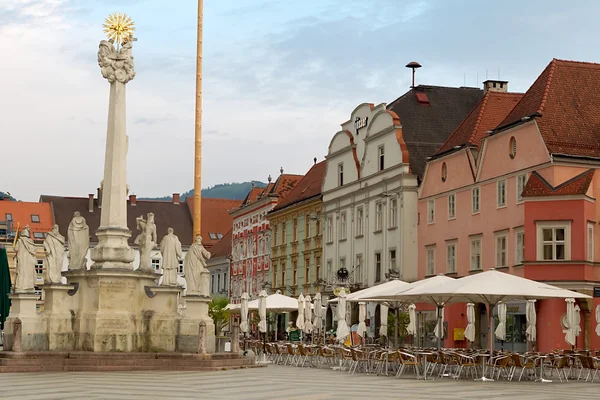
[{"x": 231, "y": 191}]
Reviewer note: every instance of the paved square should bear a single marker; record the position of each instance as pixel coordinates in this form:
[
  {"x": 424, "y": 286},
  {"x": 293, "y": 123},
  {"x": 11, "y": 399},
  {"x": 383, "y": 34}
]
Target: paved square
[{"x": 272, "y": 383}]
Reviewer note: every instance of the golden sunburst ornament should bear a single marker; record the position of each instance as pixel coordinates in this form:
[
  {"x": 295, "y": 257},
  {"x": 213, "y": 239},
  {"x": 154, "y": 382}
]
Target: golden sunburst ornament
[{"x": 119, "y": 28}]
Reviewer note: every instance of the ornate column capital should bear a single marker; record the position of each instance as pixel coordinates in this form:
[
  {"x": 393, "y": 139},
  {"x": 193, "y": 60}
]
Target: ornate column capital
[{"x": 116, "y": 65}]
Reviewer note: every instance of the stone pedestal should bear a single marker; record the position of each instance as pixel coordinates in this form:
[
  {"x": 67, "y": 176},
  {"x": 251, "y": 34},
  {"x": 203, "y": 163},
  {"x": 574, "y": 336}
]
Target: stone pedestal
[
  {"x": 33, "y": 329},
  {"x": 196, "y": 311},
  {"x": 59, "y": 315},
  {"x": 161, "y": 317}
]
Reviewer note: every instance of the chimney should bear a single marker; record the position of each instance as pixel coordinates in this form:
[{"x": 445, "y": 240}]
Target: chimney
[
  {"x": 495, "y": 86},
  {"x": 132, "y": 200},
  {"x": 176, "y": 198},
  {"x": 91, "y": 202},
  {"x": 99, "y": 190}
]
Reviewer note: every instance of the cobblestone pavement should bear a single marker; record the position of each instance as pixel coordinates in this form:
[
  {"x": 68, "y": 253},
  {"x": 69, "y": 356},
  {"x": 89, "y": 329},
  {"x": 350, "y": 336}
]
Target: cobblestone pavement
[{"x": 273, "y": 383}]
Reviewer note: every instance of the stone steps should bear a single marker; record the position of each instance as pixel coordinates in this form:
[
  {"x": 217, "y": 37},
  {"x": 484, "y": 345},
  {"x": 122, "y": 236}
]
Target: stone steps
[{"x": 82, "y": 361}]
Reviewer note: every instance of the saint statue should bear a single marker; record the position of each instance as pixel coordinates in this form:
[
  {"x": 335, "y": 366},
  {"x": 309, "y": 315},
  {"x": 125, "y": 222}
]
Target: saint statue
[
  {"x": 146, "y": 240},
  {"x": 193, "y": 266},
  {"x": 54, "y": 246},
  {"x": 26, "y": 261},
  {"x": 170, "y": 249},
  {"x": 79, "y": 241}
]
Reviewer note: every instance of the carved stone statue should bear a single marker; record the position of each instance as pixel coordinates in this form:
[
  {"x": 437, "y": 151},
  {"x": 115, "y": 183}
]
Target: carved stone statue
[
  {"x": 146, "y": 240},
  {"x": 54, "y": 246},
  {"x": 193, "y": 266},
  {"x": 116, "y": 65},
  {"x": 170, "y": 249},
  {"x": 79, "y": 241},
  {"x": 26, "y": 261}
]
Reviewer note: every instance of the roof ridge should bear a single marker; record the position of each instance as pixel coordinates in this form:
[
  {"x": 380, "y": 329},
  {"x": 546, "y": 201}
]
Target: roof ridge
[
  {"x": 578, "y": 63},
  {"x": 548, "y": 84}
]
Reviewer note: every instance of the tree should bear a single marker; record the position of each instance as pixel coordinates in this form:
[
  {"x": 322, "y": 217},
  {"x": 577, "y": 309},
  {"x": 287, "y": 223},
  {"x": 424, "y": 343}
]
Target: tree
[{"x": 218, "y": 312}]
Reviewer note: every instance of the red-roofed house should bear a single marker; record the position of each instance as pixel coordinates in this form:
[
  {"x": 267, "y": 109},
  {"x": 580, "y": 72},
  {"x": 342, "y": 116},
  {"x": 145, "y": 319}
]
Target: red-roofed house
[
  {"x": 219, "y": 265},
  {"x": 515, "y": 188},
  {"x": 251, "y": 237}
]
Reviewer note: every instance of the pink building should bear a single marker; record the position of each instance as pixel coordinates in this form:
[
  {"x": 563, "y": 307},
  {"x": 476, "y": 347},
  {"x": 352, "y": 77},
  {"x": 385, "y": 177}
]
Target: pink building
[{"x": 514, "y": 188}]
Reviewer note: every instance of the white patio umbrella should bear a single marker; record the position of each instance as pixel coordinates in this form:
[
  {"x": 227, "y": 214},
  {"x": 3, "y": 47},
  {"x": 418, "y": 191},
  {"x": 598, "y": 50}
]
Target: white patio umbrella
[
  {"x": 500, "y": 331},
  {"x": 411, "y": 329},
  {"x": 342, "y": 326},
  {"x": 318, "y": 314},
  {"x": 570, "y": 336},
  {"x": 392, "y": 286},
  {"x": 244, "y": 311},
  {"x": 308, "y": 325},
  {"x": 439, "y": 327},
  {"x": 470, "y": 329},
  {"x": 577, "y": 320},
  {"x": 531, "y": 316},
  {"x": 383, "y": 314},
  {"x": 598, "y": 320},
  {"x": 262, "y": 311},
  {"x": 276, "y": 303},
  {"x": 362, "y": 314},
  {"x": 300, "y": 319}
]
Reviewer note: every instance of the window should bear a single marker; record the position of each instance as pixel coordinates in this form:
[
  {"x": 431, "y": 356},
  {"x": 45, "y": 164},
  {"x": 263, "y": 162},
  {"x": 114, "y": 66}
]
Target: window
[
  {"x": 393, "y": 260},
  {"x": 35, "y": 218},
  {"x": 341, "y": 174},
  {"x": 475, "y": 200},
  {"x": 220, "y": 236},
  {"x": 377, "y": 267},
  {"x": 318, "y": 225},
  {"x": 343, "y": 226},
  {"x": 430, "y": 260},
  {"x": 9, "y": 217},
  {"x": 431, "y": 211},
  {"x": 317, "y": 267},
  {"x": 393, "y": 213},
  {"x": 519, "y": 247},
  {"x": 307, "y": 271},
  {"x": 218, "y": 282},
  {"x": 501, "y": 193},
  {"x": 444, "y": 172},
  {"x": 328, "y": 271},
  {"x": 275, "y": 275},
  {"x": 283, "y": 282},
  {"x": 283, "y": 234},
  {"x": 450, "y": 258},
  {"x": 329, "y": 229},
  {"x": 554, "y": 243},
  {"x": 381, "y": 158},
  {"x": 275, "y": 235},
  {"x": 213, "y": 236},
  {"x": 155, "y": 264},
  {"x": 358, "y": 268},
  {"x": 212, "y": 284},
  {"x": 378, "y": 216},
  {"x": 512, "y": 147},
  {"x": 180, "y": 267},
  {"x": 295, "y": 230},
  {"x": 452, "y": 206},
  {"x": 39, "y": 267},
  {"x": 39, "y": 235},
  {"x": 501, "y": 251},
  {"x": 360, "y": 214},
  {"x": 476, "y": 254},
  {"x": 521, "y": 179},
  {"x": 307, "y": 226},
  {"x": 590, "y": 242},
  {"x": 225, "y": 282}
]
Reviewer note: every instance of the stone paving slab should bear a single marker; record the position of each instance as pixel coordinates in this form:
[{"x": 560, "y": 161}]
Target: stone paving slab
[{"x": 273, "y": 383}]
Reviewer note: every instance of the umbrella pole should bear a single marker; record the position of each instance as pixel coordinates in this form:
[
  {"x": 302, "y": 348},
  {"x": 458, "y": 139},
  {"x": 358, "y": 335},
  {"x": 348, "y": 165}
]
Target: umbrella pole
[
  {"x": 396, "y": 328},
  {"x": 440, "y": 327}
]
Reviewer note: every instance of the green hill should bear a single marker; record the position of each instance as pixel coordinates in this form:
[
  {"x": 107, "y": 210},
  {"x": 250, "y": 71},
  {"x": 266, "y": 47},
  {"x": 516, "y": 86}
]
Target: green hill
[{"x": 232, "y": 191}]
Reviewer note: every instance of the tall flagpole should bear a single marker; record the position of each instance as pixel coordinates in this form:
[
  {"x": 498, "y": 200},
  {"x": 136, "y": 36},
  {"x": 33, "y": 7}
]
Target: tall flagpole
[{"x": 198, "y": 140}]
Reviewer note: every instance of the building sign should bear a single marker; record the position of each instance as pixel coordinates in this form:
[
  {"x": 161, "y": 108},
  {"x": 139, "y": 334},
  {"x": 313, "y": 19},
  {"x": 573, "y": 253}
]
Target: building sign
[
  {"x": 596, "y": 291},
  {"x": 360, "y": 123}
]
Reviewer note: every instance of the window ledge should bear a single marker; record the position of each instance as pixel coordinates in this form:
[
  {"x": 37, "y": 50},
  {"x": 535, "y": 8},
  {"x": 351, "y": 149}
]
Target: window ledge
[
  {"x": 502, "y": 267},
  {"x": 429, "y": 276},
  {"x": 359, "y": 236},
  {"x": 451, "y": 274},
  {"x": 475, "y": 271},
  {"x": 343, "y": 240},
  {"x": 430, "y": 222},
  {"x": 393, "y": 228},
  {"x": 329, "y": 242},
  {"x": 475, "y": 212},
  {"x": 499, "y": 206},
  {"x": 518, "y": 265},
  {"x": 451, "y": 218},
  {"x": 377, "y": 231}
]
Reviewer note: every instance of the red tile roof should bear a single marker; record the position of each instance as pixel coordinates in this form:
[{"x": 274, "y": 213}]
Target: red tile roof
[
  {"x": 567, "y": 95},
  {"x": 307, "y": 188},
  {"x": 537, "y": 186},
  {"x": 280, "y": 188},
  {"x": 253, "y": 195},
  {"x": 215, "y": 218},
  {"x": 22, "y": 213},
  {"x": 487, "y": 114},
  {"x": 223, "y": 247}
]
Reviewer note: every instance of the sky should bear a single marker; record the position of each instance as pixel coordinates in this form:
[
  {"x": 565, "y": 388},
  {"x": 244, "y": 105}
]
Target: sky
[{"x": 279, "y": 77}]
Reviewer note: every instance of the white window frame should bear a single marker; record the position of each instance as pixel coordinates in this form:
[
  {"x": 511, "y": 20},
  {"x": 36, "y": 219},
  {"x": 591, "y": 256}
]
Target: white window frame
[
  {"x": 39, "y": 266},
  {"x": 521, "y": 179},
  {"x": 378, "y": 216},
  {"x": 430, "y": 257},
  {"x": 475, "y": 251},
  {"x": 501, "y": 249},
  {"x": 452, "y": 206},
  {"x": 519, "y": 247},
  {"x": 431, "y": 211},
  {"x": 476, "y": 204},
  {"x": 328, "y": 269},
  {"x": 501, "y": 193},
  {"x": 358, "y": 278},
  {"x": 343, "y": 225},
  {"x": 393, "y": 212},
  {"x": 394, "y": 260},
  {"x": 380, "y": 158},
  {"x": 155, "y": 264},
  {"x": 378, "y": 264},
  {"x": 295, "y": 230},
  {"x": 451, "y": 258},
  {"x": 360, "y": 221},
  {"x": 590, "y": 241},
  {"x": 329, "y": 229},
  {"x": 540, "y": 226},
  {"x": 340, "y": 174}
]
